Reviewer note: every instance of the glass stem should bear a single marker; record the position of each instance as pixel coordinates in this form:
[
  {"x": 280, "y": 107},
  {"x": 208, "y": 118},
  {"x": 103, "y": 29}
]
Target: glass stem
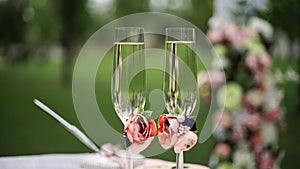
[
  {"x": 179, "y": 160},
  {"x": 129, "y": 162},
  {"x": 128, "y": 159}
]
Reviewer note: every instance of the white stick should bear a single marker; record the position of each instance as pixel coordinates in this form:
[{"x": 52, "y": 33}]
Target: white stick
[{"x": 74, "y": 130}]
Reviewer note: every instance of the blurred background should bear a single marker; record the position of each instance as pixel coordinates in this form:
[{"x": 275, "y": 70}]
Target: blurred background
[{"x": 39, "y": 43}]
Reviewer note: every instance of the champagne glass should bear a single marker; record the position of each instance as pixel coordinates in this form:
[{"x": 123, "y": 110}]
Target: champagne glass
[
  {"x": 180, "y": 99},
  {"x": 128, "y": 94}
]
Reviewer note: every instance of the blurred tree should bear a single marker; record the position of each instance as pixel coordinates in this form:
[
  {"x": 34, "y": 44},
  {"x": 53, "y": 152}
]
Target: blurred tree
[
  {"x": 42, "y": 26},
  {"x": 35, "y": 26},
  {"x": 197, "y": 12},
  {"x": 284, "y": 15},
  {"x": 129, "y": 7},
  {"x": 12, "y": 28},
  {"x": 74, "y": 21},
  {"x": 202, "y": 11}
]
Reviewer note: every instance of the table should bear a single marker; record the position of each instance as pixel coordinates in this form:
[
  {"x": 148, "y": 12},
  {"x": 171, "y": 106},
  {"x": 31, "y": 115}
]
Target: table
[{"x": 72, "y": 161}]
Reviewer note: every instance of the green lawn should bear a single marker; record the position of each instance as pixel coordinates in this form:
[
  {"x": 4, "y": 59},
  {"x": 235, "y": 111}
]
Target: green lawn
[{"x": 25, "y": 129}]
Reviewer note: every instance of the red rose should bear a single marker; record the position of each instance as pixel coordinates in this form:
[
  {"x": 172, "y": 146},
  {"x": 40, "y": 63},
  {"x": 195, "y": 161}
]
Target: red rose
[
  {"x": 139, "y": 129},
  {"x": 257, "y": 142},
  {"x": 273, "y": 115}
]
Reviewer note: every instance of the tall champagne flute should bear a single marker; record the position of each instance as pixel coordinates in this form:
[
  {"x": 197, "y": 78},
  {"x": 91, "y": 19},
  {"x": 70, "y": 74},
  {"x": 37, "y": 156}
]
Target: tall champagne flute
[
  {"x": 128, "y": 94},
  {"x": 179, "y": 99}
]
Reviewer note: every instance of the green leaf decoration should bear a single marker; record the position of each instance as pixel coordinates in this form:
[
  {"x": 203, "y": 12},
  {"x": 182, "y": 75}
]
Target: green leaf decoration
[
  {"x": 146, "y": 113},
  {"x": 141, "y": 109},
  {"x": 177, "y": 110}
]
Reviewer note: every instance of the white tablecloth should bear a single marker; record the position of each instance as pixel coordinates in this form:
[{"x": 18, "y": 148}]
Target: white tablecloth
[
  {"x": 49, "y": 161},
  {"x": 67, "y": 161}
]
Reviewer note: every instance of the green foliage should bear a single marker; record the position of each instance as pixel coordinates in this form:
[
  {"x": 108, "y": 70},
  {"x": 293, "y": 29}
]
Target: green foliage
[
  {"x": 12, "y": 24},
  {"x": 45, "y": 26},
  {"x": 284, "y": 15}
]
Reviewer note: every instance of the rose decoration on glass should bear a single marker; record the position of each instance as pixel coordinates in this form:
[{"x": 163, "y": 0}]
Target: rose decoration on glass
[
  {"x": 177, "y": 129},
  {"x": 177, "y": 132},
  {"x": 129, "y": 90},
  {"x": 140, "y": 132}
]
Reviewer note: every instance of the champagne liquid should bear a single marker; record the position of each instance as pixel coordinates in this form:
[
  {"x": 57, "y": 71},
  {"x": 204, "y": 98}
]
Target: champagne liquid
[
  {"x": 179, "y": 99},
  {"x": 128, "y": 94}
]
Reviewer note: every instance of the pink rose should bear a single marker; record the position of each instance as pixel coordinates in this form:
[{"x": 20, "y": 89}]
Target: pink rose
[
  {"x": 223, "y": 150},
  {"x": 202, "y": 79},
  {"x": 224, "y": 120},
  {"x": 216, "y": 77},
  {"x": 215, "y": 36},
  {"x": 251, "y": 62},
  {"x": 265, "y": 61},
  {"x": 172, "y": 133},
  {"x": 238, "y": 133},
  {"x": 204, "y": 86},
  {"x": 139, "y": 129},
  {"x": 253, "y": 121},
  {"x": 266, "y": 161},
  {"x": 208, "y": 81},
  {"x": 258, "y": 63},
  {"x": 238, "y": 36},
  {"x": 231, "y": 30},
  {"x": 185, "y": 142},
  {"x": 167, "y": 131},
  {"x": 253, "y": 98},
  {"x": 235, "y": 35}
]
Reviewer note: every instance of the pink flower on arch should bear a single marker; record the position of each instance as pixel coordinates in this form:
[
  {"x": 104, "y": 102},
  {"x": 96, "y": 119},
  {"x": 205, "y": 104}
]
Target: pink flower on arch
[
  {"x": 223, "y": 150},
  {"x": 215, "y": 36},
  {"x": 258, "y": 63}
]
